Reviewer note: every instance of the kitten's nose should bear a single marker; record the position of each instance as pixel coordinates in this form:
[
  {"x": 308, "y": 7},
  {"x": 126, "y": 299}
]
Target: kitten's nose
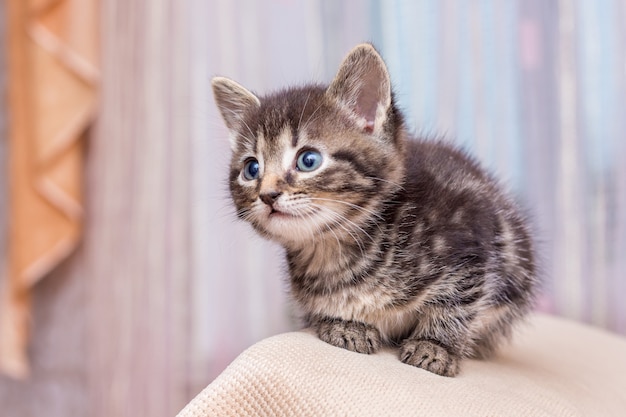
[{"x": 270, "y": 197}]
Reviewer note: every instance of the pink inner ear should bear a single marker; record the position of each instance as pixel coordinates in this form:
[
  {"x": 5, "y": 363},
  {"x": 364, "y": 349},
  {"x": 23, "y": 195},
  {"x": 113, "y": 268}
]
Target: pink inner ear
[
  {"x": 366, "y": 108},
  {"x": 362, "y": 84},
  {"x": 367, "y": 102}
]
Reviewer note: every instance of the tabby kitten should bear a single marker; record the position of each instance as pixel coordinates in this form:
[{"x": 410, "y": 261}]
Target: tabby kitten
[{"x": 391, "y": 240}]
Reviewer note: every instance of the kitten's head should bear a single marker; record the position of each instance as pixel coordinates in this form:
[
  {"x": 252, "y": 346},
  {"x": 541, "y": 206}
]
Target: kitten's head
[{"x": 315, "y": 162}]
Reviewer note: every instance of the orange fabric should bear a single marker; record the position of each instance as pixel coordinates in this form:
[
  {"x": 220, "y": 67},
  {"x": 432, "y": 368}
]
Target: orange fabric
[{"x": 52, "y": 60}]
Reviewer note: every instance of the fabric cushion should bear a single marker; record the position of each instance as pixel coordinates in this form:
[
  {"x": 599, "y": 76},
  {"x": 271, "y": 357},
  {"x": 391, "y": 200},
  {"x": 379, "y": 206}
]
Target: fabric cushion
[{"x": 554, "y": 367}]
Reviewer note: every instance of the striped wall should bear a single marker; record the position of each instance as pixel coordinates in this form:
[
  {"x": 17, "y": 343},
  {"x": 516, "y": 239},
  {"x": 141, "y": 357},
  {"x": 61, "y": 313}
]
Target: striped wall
[{"x": 172, "y": 287}]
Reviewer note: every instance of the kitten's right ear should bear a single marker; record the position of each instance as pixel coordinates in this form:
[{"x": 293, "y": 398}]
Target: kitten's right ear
[
  {"x": 362, "y": 85},
  {"x": 233, "y": 100}
]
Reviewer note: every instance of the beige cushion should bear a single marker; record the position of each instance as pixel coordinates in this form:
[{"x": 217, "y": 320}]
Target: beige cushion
[{"x": 554, "y": 367}]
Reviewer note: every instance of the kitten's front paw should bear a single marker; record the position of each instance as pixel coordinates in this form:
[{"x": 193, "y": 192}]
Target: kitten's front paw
[
  {"x": 351, "y": 335},
  {"x": 429, "y": 356}
]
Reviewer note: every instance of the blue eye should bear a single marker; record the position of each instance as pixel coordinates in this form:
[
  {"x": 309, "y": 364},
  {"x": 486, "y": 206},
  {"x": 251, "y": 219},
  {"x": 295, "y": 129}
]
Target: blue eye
[
  {"x": 309, "y": 161},
  {"x": 251, "y": 170}
]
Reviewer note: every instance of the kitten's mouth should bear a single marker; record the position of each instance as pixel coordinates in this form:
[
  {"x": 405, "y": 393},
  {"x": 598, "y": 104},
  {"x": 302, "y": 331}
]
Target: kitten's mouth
[
  {"x": 278, "y": 213},
  {"x": 281, "y": 214}
]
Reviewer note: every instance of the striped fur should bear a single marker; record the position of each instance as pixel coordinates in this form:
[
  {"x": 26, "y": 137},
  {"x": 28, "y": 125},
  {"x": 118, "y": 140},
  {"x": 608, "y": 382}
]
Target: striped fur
[{"x": 392, "y": 240}]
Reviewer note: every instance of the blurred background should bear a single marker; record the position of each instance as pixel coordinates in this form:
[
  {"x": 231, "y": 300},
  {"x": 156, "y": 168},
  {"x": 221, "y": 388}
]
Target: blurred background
[{"x": 127, "y": 283}]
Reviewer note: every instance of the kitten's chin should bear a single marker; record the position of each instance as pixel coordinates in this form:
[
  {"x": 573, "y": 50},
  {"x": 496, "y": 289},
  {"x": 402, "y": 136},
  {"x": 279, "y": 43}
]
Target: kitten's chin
[{"x": 290, "y": 229}]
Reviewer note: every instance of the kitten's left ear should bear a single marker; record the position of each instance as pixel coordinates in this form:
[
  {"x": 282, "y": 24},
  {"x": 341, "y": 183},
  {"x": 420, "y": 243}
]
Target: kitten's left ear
[
  {"x": 233, "y": 101},
  {"x": 362, "y": 84}
]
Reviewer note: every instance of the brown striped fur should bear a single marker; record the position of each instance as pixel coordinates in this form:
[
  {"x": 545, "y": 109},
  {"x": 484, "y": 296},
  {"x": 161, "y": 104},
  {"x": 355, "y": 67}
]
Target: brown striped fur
[{"x": 392, "y": 240}]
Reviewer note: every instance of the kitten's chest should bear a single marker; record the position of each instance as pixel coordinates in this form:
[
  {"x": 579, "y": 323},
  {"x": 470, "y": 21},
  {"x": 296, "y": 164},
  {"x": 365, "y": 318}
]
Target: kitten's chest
[
  {"x": 377, "y": 298},
  {"x": 376, "y": 306}
]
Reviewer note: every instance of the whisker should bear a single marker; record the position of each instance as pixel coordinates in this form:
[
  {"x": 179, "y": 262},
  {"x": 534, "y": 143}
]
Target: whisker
[
  {"x": 352, "y": 205},
  {"x": 319, "y": 233},
  {"x": 303, "y": 109},
  {"x": 347, "y": 225},
  {"x": 332, "y": 216},
  {"x": 309, "y": 121},
  {"x": 387, "y": 181},
  {"x": 238, "y": 117}
]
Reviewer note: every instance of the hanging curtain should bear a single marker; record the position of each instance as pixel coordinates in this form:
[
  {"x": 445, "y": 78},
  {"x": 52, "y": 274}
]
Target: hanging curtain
[{"x": 52, "y": 79}]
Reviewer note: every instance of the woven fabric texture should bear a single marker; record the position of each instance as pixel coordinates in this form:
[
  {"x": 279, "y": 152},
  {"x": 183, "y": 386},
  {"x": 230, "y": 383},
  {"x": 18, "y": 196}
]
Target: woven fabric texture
[{"x": 553, "y": 367}]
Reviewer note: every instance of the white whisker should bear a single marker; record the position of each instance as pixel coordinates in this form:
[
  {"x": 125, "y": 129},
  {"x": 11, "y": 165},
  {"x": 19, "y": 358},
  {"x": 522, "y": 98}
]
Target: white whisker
[
  {"x": 350, "y": 227},
  {"x": 303, "y": 109},
  {"x": 253, "y": 137},
  {"x": 387, "y": 181},
  {"x": 352, "y": 205},
  {"x": 332, "y": 217},
  {"x": 310, "y": 119}
]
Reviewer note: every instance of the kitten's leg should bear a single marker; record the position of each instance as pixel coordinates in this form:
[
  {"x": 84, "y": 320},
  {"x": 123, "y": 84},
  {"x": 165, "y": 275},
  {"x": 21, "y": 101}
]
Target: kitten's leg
[
  {"x": 440, "y": 340},
  {"x": 430, "y": 355},
  {"x": 348, "y": 334}
]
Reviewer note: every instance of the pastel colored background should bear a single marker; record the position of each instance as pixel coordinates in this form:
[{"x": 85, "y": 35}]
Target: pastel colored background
[{"x": 167, "y": 287}]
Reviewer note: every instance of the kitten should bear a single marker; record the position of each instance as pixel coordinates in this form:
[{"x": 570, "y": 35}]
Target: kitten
[{"x": 390, "y": 240}]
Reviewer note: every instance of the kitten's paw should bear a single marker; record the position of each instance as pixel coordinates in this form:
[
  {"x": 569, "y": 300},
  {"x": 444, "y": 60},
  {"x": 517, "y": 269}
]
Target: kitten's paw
[
  {"x": 429, "y": 356},
  {"x": 351, "y": 335}
]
